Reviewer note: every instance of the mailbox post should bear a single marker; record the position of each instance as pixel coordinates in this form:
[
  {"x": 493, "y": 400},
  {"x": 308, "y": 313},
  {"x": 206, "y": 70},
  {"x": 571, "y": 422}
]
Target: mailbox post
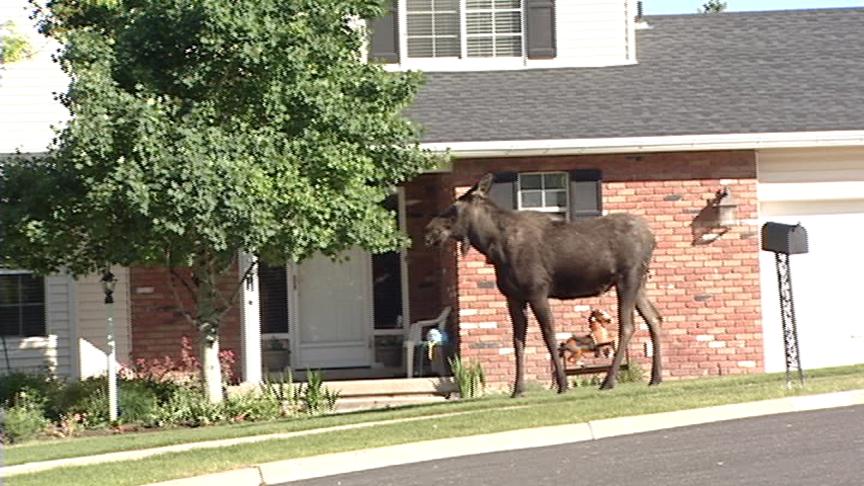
[{"x": 784, "y": 240}]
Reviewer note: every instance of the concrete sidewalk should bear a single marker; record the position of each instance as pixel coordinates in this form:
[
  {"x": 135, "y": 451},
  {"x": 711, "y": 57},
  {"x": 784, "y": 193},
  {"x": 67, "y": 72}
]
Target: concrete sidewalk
[{"x": 345, "y": 462}]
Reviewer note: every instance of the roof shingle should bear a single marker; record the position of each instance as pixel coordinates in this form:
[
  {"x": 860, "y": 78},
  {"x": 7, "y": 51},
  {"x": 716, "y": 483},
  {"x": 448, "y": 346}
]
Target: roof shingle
[{"x": 757, "y": 72}]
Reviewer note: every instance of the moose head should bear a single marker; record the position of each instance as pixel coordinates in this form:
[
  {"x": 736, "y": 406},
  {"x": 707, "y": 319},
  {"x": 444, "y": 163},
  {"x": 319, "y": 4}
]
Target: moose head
[{"x": 455, "y": 222}]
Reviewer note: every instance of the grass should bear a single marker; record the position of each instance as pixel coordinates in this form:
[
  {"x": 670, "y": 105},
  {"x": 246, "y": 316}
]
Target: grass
[{"x": 538, "y": 408}]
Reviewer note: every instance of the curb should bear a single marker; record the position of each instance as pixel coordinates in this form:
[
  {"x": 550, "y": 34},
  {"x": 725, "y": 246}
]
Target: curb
[
  {"x": 362, "y": 460},
  {"x": 33, "y": 467},
  {"x": 237, "y": 477}
]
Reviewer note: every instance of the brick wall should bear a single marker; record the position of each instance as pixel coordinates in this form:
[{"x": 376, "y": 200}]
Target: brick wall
[
  {"x": 707, "y": 290},
  {"x": 158, "y": 327},
  {"x": 431, "y": 271}
]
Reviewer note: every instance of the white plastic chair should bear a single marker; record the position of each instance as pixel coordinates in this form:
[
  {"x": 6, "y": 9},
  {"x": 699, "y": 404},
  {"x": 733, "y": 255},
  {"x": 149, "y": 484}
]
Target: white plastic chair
[{"x": 414, "y": 336}]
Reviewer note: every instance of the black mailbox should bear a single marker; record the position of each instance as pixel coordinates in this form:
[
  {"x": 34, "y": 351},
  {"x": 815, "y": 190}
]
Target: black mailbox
[{"x": 784, "y": 238}]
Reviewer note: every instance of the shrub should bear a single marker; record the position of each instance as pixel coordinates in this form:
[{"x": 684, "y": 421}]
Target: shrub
[
  {"x": 470, "y": 378},
  {"x": 25, "y": 418},
  {"x": 284, "y": 391},
  {"x": 93, "y": 407},
  {"x": 44, "y": 385},
  {"x": 137, "y": 402},
  {"x": 186, "y": 369},
  {"x": 88, "y": 400},
  {"x": 189, "y": 406},
  {"x": 313, "y": 396},
  {"x": 252, "y": 406}
]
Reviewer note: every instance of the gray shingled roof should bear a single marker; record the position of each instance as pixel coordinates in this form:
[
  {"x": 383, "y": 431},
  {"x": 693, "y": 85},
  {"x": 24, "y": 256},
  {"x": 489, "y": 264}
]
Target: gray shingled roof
[{"x": 758, "y": 72}]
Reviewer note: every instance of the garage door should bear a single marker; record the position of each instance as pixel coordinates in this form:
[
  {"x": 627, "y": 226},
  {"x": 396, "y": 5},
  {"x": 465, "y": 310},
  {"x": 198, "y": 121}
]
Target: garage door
[
  {"x": 828, "y": 287},
  {"x": 827, "y": 282}
]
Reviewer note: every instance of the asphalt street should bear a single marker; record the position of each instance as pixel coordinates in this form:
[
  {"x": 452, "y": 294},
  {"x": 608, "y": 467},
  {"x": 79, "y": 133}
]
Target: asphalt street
[{"x": 824, "y": 448}]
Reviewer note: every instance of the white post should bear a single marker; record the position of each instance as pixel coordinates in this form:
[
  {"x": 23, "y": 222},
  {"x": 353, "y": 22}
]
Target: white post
[
  {"x": 112, "y": 365},
  {"x": 108, "y": 283},
  {"x": 250, "y": 329}
]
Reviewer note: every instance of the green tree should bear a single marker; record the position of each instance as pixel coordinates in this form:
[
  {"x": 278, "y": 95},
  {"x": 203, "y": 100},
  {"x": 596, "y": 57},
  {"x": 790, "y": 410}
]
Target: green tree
[
  {"x": 14, "y": 46},
  {"x": 713, "y": 6},
  {"x": 201, "y": 129}
]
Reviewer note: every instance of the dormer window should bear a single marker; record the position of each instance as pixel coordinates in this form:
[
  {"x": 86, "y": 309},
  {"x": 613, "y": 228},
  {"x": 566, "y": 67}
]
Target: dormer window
[
  {"x": 432, "y": 28},
  {"x": 492, "y": 28},
  {"x": 464, "y": 29}
]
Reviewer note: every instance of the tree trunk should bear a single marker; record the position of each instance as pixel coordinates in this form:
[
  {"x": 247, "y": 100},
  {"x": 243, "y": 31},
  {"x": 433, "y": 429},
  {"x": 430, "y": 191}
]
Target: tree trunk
[
  {"x": 208, "y": 319},
  {"x": 211, "y": 368}
]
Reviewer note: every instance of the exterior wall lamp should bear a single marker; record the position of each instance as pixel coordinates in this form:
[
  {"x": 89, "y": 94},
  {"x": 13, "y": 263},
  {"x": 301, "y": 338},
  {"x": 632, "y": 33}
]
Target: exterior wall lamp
[{"x": 727, "y": 208}]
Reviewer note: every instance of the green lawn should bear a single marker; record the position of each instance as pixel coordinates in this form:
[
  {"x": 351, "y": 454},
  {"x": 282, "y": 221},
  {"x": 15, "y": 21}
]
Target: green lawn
[{"x": 452, "y": 419}]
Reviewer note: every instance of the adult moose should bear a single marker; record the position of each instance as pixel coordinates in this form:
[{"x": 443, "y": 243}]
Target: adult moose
[{"x": 537, "y": 257}]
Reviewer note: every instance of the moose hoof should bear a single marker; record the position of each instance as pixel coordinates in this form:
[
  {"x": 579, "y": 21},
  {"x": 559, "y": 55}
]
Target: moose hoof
[
  {"x": 607, "y": 385},
  {"x": 654, "y": 382}
]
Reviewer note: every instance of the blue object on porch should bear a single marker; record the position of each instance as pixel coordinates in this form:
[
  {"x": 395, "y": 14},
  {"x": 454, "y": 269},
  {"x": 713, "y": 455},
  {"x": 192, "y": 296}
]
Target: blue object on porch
[
  {"x": 414, "y": 337},
  {"x": 436, "y": 337}
]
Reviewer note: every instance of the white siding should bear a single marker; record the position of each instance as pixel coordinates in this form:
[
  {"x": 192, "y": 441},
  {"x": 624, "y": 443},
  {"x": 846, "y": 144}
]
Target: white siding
[
  {"x": 593, "y": 32},
  {"x": 27, "y": 105},
  {"x": 589, "y": 33},
  {"x": 811, "y": 175},
  {"x": 92, "y": 323},
  {"x": 823, "y": 190},
  {"x": 51, "y": 352}
]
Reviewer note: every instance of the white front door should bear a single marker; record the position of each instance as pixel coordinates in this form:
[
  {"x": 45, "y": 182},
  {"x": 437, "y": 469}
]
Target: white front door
[{"x": 334, "y": 312}]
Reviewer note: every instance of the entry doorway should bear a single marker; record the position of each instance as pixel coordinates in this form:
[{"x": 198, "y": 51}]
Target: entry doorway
[{"x": 347, "y": 313}]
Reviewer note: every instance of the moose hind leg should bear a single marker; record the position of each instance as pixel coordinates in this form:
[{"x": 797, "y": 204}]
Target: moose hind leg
[
  {"x": 520, "y": 328},
  {"x": 651, "y": 317},
  {"x": 543, "y": 313}
]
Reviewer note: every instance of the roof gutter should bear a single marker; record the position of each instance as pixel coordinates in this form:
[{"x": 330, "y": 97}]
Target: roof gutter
[{"x": 677, "y": 143}]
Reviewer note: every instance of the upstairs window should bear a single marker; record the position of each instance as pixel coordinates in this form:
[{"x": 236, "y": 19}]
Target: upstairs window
[
  {"x": 466, "y": 29},
  {"x": 492, "y": 28},
  {"x": 433, "y": 28},
  {"x": 22, "y": 304}
]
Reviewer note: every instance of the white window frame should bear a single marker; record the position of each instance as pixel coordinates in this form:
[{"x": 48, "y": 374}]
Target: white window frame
[
  {"x": 564, "y": 211},
  {"x": 463, "y": 19},
  {"x": 463, "y": 41},
  {"x": 404, "y": 7}
]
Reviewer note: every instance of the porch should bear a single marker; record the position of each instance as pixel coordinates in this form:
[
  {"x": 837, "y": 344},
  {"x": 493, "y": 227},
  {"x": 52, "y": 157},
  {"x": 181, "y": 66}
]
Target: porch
[{"x": 350, "y": 318}]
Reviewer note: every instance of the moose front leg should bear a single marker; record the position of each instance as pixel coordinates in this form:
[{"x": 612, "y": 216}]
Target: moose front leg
[
  {"x": 520, "y": 327},
  {"x": 543, "y": 313}
]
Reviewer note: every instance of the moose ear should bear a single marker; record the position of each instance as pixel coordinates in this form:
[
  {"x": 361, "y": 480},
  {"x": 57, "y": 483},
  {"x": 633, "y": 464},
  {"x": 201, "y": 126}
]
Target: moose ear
[{"x": 484, "y": 185}]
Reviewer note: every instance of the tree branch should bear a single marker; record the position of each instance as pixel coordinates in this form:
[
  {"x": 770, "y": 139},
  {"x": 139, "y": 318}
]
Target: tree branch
[
  {"x": 173, "y": 274},
  {"x": 229, "y": 303}
]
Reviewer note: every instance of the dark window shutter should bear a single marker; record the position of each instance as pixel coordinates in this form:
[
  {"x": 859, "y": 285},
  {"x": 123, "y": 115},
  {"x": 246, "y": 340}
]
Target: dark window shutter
[
  {"x": 586, "y": 196},
  {"x": 504, "y": 191},
  {"x": 384, "y": 42},
  {"x": 273, "y": 298},
  {"x": 540, "y": 29}
]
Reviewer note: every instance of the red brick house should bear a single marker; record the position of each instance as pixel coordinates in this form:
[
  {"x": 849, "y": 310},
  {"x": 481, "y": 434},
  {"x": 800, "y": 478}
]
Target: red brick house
[
  {"x": 580, "y": 108},
  {"x": 700, "y": 103}
]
